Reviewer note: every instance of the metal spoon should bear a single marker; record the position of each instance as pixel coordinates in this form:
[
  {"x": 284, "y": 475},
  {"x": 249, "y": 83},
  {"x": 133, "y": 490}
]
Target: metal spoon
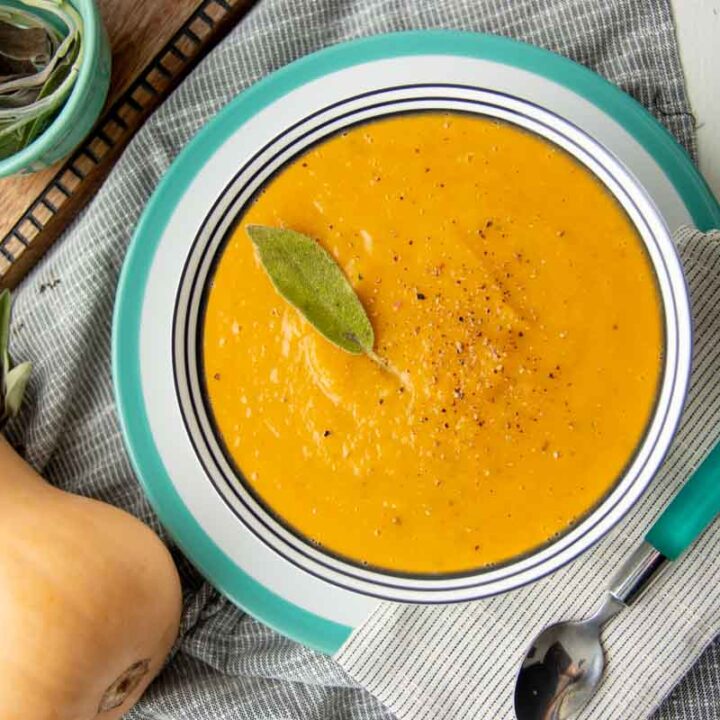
[{"x": 564, "y": 665}]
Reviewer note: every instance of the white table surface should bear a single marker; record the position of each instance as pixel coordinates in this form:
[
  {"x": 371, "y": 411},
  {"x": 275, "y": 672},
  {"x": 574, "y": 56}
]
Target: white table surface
[{"x": 698, "y": 31}]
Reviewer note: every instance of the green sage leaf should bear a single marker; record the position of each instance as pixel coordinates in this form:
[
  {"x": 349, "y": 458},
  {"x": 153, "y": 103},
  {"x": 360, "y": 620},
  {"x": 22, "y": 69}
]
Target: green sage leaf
[
  {"x": 308, "y": 277},
  {"x": 13, "y": 380},
  {"x": 15, "y": 385}
]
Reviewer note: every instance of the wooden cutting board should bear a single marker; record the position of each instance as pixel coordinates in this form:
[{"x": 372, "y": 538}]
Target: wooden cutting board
[{"x": 155, "y": 43}]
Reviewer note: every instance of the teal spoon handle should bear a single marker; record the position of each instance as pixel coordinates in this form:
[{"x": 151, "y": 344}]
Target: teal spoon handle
[
  {"x": 682, "y": 521},
  {"x": 691, "y": 511}
]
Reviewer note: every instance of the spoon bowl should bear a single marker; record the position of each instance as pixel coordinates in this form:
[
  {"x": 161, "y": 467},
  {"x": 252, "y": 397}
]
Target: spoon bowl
[{"x": 563, "y": 667}]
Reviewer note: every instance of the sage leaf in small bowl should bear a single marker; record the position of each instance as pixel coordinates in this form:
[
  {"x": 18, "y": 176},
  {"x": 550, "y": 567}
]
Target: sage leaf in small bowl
[{"x": 38, "y": 69}]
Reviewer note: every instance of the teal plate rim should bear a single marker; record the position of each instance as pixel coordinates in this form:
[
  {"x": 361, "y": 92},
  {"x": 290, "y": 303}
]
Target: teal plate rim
[{"x": 294, "y": 622}]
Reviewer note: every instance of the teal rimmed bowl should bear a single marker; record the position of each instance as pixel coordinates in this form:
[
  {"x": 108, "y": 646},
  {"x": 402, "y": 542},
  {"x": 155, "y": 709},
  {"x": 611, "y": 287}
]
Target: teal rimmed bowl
[{"x": 82, "y": 108}]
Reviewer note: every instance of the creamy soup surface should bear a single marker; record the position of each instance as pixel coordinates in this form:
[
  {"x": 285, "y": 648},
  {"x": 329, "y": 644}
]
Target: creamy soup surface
[{"x": 510, "y": 290}]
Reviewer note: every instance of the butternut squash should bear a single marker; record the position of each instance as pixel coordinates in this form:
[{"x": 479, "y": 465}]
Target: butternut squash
[{"x": 90, "y": 599}]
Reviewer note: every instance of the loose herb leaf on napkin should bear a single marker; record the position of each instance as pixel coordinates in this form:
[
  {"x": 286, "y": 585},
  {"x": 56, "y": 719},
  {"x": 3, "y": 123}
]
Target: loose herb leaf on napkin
[
  {"x": 13, "y": 380},
  {"x": 15, "y": 386},
  {"x": 308, "y": 277}
]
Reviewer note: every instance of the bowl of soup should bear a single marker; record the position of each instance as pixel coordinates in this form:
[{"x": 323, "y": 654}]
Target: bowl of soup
[
  {"x": 520, "y": 303},
  {"x": 521, "y": 283}
]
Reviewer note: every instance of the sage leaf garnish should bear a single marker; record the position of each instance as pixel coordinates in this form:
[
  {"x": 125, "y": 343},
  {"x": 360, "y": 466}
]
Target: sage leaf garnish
[
  {"x": 13, "y": 380},
  {"x": 307, "y": 276}
]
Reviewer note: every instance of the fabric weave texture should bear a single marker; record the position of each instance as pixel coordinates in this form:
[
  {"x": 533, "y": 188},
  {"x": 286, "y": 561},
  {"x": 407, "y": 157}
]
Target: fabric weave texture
[{"x": 227, "y": 666}]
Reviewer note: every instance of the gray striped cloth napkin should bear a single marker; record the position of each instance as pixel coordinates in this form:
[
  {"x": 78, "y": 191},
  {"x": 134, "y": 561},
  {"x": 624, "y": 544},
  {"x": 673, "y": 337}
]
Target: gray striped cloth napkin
[
  {"x": 226, "y": 665},
  {"x": 458, "y": 662}
]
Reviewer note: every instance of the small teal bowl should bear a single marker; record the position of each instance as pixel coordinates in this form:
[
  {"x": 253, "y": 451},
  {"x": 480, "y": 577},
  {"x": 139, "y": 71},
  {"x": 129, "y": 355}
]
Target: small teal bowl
[{"x": 82, "y": 107}]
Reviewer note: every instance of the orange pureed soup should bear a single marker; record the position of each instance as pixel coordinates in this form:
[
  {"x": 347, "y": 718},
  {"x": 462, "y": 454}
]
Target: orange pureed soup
[{"x": 514, "y": 296}]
